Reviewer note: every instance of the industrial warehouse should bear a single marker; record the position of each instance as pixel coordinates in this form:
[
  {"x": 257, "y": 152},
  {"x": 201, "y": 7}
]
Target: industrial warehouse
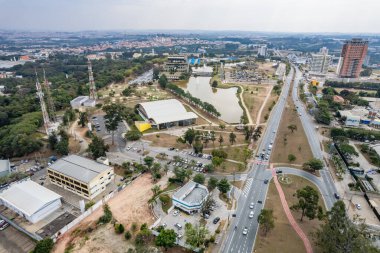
[
  {"x": 166, "y": 113},
  {"x": 80, "y": 175},
  {"x": 30, "y": 200}
]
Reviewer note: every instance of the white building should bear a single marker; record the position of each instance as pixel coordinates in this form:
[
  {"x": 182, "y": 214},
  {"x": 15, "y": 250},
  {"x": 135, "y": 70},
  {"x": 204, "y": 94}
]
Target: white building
[
  {"x": 262, "y": 51},
  {"x": 82, "y": 176},
  {"x": 82, "y": 102},
  {"x": 30, "y": 200},
  {"x": 320, "y": 62},
  {"x": 5, "y": 168},
  {"x": 190, "y": 197},
  {"x": 166, "y": 113},
  {"x": 202, "y": 71}
]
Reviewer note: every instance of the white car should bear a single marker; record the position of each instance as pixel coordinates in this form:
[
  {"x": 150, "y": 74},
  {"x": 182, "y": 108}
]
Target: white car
[
  {"x": 251, "y": 205},
  {"x": 175, "y": 212},
  {"x": 358, "y": 206},
  {"x": 245, "y": 231},
  {"x": 179, "y": 236},
  {"x": 251, "y": 215}
]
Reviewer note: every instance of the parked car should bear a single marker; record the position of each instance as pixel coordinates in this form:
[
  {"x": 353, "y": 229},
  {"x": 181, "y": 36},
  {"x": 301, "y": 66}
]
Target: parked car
[
  {"x": 336, "y": 195},
  {"x": 179, "y": 236},
  {"x": 266, "y": 181},
  {"x": 177, "y": 225},
  {"x": 216, "y": 220},
  {"x": 4, "y": 226},
  {"x": 358, "y": 206},
  {"x": 175, "y": 212},
  {"x": 260, "y": 201},
  {"x": 171, "y": 149}
]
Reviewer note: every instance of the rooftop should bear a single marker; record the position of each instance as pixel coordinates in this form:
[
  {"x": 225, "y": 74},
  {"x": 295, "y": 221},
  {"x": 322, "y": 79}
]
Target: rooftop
[
  {"x": 191, "y": 193},
  {"x": 28, "y": 196},
  {"x": 80, "y": 168},
  {"x": 164, "y": 111},
  {"x": 4, "y": 165}
]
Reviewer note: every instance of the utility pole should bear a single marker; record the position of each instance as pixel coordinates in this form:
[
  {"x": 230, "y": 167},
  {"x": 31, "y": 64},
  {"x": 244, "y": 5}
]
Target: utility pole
[
  {"x": 45, "y": 114},
  {"x": 92, "y": 82}
]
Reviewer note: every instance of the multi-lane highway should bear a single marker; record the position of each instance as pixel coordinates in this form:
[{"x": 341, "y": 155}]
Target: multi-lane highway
[
  {"x": 312, "y": 137},
  {"x": 256, "y": 189}
]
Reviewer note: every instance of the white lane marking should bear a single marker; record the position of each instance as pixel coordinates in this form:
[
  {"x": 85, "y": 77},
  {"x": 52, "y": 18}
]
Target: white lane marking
[{"x": 247, "y": 186}]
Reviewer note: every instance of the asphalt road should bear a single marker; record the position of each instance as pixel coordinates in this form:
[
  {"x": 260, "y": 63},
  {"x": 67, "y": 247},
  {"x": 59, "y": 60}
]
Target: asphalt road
[
  {"x": 310, "y": 130},
  {"x": 257, "y": 190}
]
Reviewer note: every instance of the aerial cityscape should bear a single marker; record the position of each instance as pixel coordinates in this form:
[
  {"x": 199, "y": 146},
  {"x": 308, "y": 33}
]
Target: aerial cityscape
[{"x": 189, "y": 126}]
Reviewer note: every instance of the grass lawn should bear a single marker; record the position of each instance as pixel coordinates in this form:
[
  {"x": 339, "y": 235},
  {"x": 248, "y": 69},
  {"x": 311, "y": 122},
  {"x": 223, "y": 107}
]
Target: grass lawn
[
  {"x": 254, "y": 96},
  {"x": 234, "y": 153},
  {"x": 283, "y": 238},
  {"x": 166, "y": 206},
  {"x": 296, "y": 143},
  {"x": 270, "y": 104},
  {"x": 165, "y": 140},
  {"x": 170, "y": 187}
]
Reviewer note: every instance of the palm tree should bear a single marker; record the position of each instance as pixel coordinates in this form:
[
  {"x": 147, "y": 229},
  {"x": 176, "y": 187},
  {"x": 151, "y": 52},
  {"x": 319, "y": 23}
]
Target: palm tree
[
  {"x": 292, "y": 128},
  {"x": 221, "y": 140},
  {"x": 155, "y": 189}
]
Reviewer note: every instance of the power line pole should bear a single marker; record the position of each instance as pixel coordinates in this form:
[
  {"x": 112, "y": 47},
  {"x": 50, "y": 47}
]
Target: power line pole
[
  {"x": 92, "y": 82},
  {"x": 45, "y": 114}
]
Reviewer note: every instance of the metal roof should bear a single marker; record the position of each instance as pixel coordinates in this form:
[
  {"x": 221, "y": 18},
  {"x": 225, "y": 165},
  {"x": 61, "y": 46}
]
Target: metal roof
[
  {"x": 28, "y": 196},
  {"x": 80, "y": 168},
  {"x": 165, "y": 111},
  {"x": 192, "y": 193}
]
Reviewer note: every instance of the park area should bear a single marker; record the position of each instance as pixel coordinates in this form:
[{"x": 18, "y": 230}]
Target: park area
[
  {"x": 283, "y": 238},
  {"x": 129, "y": 206}
]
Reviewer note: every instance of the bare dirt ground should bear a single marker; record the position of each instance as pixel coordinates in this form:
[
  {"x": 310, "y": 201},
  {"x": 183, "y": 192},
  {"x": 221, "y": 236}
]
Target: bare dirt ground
[
  {"x": 128, "y": 206},
  {"x": 283, "y": 238},
  {"x": 291, "y": 143},
  {"x": 165, "y": 140},
  {"x": 270, "y": 103}
]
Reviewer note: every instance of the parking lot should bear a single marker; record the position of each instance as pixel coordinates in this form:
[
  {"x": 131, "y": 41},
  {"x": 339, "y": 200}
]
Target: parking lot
[{"x": 13, "y": 241}]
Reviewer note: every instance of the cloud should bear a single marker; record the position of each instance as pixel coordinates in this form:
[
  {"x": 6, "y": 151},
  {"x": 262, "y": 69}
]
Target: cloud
[{"x": 251, "y": 15}]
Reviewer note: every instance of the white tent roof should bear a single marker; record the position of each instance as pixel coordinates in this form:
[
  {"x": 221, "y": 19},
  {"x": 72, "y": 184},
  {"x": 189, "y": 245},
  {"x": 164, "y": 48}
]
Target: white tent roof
[
  {"x": 164, "y": 111},
  {"x": 28, "y": 196}
]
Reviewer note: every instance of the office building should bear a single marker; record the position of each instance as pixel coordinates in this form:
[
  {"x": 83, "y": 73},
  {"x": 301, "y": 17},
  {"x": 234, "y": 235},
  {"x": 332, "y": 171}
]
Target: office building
[
  {"x": 85, "y": 177},
  {"x": 320, "y": 62},
  {"x": 175, "y": 66},
  {"x": 352, "y": 57},
  {"x": 262, "y": 51},
  {"x": 190, "y": 197}
]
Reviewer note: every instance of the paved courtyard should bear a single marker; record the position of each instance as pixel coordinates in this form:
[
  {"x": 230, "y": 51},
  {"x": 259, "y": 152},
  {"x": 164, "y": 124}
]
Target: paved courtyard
[{"x": 13, "y": 241}]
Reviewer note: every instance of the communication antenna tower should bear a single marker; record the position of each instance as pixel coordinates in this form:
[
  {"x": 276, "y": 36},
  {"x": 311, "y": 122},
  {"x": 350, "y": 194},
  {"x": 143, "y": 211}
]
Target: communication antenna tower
[
  {"x": 45, "y": 114},
  {"x": 49, "y": 99},
  {"x": 92, "y": 82}
]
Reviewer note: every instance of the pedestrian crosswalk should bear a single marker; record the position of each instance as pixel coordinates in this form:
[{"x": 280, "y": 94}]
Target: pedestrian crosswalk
[{"x": 247, "y": 186}]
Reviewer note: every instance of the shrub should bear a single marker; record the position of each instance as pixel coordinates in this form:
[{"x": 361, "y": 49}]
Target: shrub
[
  {"x": 134, "y": 226},
  {"x": 127, "y": 235},
  {"x": 119, "y": 228},
  {"x": 88, "y": 205}
]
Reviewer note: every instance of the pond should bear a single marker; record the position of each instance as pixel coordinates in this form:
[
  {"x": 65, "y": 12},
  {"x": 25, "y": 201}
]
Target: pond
[{"x": 224, "y": 100}]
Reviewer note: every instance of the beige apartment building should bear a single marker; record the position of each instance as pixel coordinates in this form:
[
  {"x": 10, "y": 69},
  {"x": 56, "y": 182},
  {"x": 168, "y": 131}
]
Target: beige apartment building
[{"x": 82, "y": 176}]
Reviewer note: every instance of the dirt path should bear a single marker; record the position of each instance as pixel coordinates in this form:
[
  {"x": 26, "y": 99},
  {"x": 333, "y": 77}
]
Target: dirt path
[
  {"x": 263, "y": 106},
  {"x": 250, "y": 121}
]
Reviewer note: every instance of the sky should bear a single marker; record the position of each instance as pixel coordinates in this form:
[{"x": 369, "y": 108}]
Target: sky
[{"x": 343, "y": 16}]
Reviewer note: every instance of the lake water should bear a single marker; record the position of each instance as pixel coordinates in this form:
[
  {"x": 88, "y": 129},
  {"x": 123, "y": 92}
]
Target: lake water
[{"x": 224, "y": 100}]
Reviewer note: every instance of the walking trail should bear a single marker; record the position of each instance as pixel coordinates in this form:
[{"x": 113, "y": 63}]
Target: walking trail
[
  {"x": 263, "y": 106},
  {"x": 289, "y": 215}
]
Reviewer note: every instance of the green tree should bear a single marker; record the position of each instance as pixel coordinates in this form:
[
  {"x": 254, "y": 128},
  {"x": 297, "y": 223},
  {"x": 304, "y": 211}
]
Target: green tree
[
  {"x": 189, "y": 135},
  {"x": 257, "y": 133},
  {"x": 97, "y": 147},
  {"x": 212, "y": 137},
  {"x": 133, "y": 135},
  {"x": 266, "y": 220},
  {"x": 339, "y": 234},
  {"x": 292, "y": 127},
  {"x": 156, "y": 189},
  {"x": 53, "y": 140},
  {"x": 127, "y": 235},
  {"x": 114, "y": 115},
  {"x": 166, "y": 238},
  {"x": 128, "y": 91},
  {"x": 199, "y": 178},
  {"x": 291, "y": 158},
  {"x": 198, "y": 147},
  {"x": 209, "y": 168},
  {"x": 308, "y": 203},
  {"x": 224, "y": 186},
  {"x": 313, "y": 164},
  {"x": 214, "y": 84},
  {"x": 44, "y": 246},
  {"x": 148, "y": 161},
  {"x": 217, "y": 161},
  {"x": 83, "y": 119},
  {"x": 196, "y": 235},
  {"x": 62, "y": 147},
  {"x": 347, "y": 149},
  {"x": 163, "y": 81},
  {"x": 212, "y": 183},
  {"x": 119, "y": 228},
  {"x": 232, "y": 138}
]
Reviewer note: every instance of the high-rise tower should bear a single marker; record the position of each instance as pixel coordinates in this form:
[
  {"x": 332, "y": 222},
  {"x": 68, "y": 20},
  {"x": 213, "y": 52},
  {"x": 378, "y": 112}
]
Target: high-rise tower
[{"x": 352, "y": 57}]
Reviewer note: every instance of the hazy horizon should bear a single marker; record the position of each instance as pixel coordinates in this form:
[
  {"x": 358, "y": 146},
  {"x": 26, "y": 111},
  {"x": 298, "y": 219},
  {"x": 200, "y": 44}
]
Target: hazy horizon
[{"x": 277, "y": 16}]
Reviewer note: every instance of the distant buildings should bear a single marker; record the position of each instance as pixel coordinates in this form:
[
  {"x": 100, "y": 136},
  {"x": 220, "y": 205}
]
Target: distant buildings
[
  {"x": 320, "y": 62},
  {"x": 202, "y": 71},
  {"x": 352, "y": 57},
  {"x": 30, "y": 200},
  {"x": 166, "y": 113},
  {"x": 190, "y": 197},
  {"x": 80, "y": 175},
  {"x": 175, "y": 66},
  {"x": 262, "y": 51}
]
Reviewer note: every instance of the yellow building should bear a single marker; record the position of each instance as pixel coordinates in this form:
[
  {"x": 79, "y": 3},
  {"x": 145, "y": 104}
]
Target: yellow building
[
  {"x": 82, "y": 176},
  {"x": 142, "y": 125}
]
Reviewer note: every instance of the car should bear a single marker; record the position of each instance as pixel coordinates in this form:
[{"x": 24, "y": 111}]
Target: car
[
  {"x": 251, "y": 205},
  {"x": 175, "y": 212},
  {"x": 266, "y": 181},
  {"x": 164, "y": 225},
  {"x": 134, "y": 149},
  {"x": 234, "y": 215},
  {"x": 178, "y": 226},
  {"x": 251, "y": 214},
  {"x": 245, "y": 231},
  {"x": 179, "y": 236},
  {"x": 336, "y": 195},
  {"x": 93, "y": 117},
  {"x": 2, "y": 222},
  {"x": 4, "y": 226},
  {"x": 260, "y": 201},
  {"x": 358, "y": 206},
  {"x": 171, "y": 149},
  {"x": 216, "y": 220},
  {"x": 122, "y": 179},
  {"x": 278, "y": 171}
]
